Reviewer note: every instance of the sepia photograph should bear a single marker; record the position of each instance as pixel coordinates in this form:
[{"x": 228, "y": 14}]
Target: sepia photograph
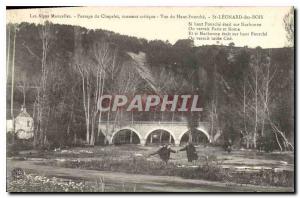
[{"x": 150, "y": 99}]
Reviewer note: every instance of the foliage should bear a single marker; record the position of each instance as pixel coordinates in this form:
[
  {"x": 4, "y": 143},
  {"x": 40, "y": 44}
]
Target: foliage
[
  {"x": 32, "y": 183},
  {"x": 37, "y": 183}
]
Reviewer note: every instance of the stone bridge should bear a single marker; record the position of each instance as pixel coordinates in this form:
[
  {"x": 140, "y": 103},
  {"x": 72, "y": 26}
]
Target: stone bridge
[{"x": 144, "y": 129}]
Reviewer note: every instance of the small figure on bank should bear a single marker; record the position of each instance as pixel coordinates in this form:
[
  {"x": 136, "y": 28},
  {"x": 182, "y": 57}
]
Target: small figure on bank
[
  {"x": 190, "y": 152},
  {"x": 228, "y": 146},
  {"x": 164, "y": 153}
]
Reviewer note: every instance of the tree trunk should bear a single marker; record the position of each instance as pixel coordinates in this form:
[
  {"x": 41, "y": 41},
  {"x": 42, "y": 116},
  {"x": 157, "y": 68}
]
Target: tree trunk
[
  {"x": 8, "y": 53},
  {"x": 12, "y": 82},
  {"x": 92, "y": 140},
  {"x": 101, "y": 87},
  {"x": 71, "y": 119},
  {"x": 212, "y": 119},
  {"x": 24, "y": 97},
  {"x": 256, "y": 106}
]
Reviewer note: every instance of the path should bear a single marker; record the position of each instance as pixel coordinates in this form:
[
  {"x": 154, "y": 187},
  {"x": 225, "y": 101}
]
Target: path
[{"x": 145, "y": 182}]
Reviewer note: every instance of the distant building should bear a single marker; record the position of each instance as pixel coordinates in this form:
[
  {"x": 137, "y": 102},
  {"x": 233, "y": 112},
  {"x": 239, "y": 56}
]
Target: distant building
[{"x": 23, "y": 125}]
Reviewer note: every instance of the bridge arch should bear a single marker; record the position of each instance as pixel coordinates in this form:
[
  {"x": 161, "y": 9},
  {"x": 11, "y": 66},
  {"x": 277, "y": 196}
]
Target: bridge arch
[
  {"x": 160, "y": 129},
  {"x": 200, "y": 130},
  {"x": 122, "y": 129}
]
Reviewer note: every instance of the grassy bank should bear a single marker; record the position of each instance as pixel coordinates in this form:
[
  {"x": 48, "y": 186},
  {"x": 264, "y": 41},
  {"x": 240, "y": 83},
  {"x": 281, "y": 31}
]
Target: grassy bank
[
  {"x": 210, "y": 170},
  {"x": 37, "y": 183}
]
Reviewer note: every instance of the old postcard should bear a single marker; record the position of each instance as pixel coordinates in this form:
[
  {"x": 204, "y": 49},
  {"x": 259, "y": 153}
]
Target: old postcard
[{"x": 150, "y": 99}]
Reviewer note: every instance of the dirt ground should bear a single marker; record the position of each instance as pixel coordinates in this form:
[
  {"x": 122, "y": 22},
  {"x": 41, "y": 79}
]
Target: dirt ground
[{"x": 238, "y": 159}]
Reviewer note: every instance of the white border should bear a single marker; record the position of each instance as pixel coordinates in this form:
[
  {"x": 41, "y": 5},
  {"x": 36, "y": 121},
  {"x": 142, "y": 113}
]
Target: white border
[
  {"x": 113, "y": 3},
  {"x": 153, "y": 3}
]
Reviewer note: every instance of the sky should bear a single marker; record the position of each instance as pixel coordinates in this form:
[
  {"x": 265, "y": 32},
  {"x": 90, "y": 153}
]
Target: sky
[{"x": 270, "y": 34}]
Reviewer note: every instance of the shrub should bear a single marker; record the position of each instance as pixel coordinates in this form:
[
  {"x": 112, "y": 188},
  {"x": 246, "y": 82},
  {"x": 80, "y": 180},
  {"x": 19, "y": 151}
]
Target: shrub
[
  {"x": 210, "y": 170},
  {"x": 31, "y": 183}
]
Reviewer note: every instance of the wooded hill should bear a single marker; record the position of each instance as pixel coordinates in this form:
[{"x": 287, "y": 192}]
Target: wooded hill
[{"x": 244, "y": 91}]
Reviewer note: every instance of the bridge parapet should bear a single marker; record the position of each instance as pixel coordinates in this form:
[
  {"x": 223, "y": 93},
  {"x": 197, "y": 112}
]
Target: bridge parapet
[
  {"x": 144, "y": 128},
  {"x": 206, "y": 124}
]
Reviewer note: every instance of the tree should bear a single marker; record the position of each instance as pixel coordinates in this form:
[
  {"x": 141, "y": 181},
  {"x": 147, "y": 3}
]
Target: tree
[
  {"x": 106, "y": 68},
  {"x": 8, "y": 49},
  {"x": 15, "y": 29},
  {"x": 41, "y": 106},
  {"x": 126, "y": 82},
  {"x": 23, "y": 85},
  {"x": 93, "y": 65},
  {"x": 83, "y": 65},
  {"x": 261, "y": 103}
]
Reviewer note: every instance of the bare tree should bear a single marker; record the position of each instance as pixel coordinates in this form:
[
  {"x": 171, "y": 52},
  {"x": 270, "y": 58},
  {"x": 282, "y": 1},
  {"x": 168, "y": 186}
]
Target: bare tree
[
  {"x": 15, "y": 29},
  {"x": 244, "y": 130},
  {"x": 257, "y": 102},
  {"x": 93, "y": 65},
  {"x": 104, "y": 68},
  {"x": 23, "y": 86},
  {"x": 253, "y": 108},
  {"x": 8, "y": 49},
  {"x": 41, "y": 108},
  {"x": 85, "y": 74},
  {"x": 126, "y": 82}
]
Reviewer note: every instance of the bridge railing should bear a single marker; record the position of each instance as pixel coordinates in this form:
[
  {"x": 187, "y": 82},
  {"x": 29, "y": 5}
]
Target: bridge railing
[
  {"x": 149, "y": 123},
  {"x": 144, "y": 128}
]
